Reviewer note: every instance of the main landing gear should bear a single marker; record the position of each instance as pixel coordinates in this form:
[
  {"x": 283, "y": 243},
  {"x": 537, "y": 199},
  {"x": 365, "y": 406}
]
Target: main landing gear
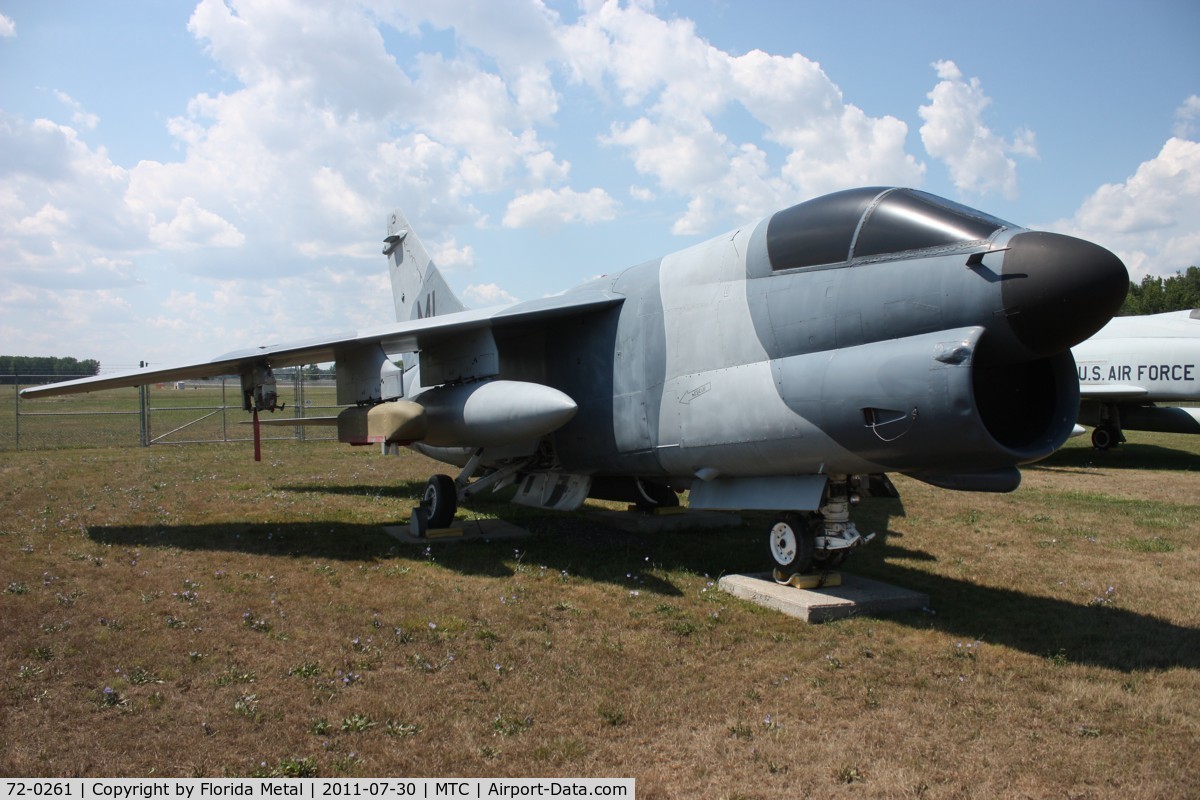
[
  {"x": 440, "y": 501},
  {"x": 443, "y": 494},
  {"x": 818, "y": 541},
  {"x": 1107, "y": 433}
]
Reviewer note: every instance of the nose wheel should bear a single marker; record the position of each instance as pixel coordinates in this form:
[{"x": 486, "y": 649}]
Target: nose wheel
[{"x": 792, "y": 543}]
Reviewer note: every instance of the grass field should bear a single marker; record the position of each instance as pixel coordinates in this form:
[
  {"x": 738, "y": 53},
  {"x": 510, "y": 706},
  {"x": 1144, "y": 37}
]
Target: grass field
[{"x": 184, "y": 611}]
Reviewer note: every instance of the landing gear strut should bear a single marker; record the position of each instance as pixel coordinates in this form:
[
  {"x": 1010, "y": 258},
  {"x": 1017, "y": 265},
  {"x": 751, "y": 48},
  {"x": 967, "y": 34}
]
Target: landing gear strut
[
  {"x": 1107, "y": 434},
  {"x": 820, "y": 540},
  {"x": 259, "y": 394}
]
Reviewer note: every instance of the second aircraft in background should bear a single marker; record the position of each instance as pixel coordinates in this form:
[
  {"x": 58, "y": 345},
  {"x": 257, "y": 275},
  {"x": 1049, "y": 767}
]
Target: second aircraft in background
[{"x": 1131, "y": 365}]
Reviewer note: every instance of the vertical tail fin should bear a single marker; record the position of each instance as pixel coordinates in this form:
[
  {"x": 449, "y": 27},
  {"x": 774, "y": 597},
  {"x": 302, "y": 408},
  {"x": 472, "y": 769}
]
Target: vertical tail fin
[{"x": 417, "y": 287}]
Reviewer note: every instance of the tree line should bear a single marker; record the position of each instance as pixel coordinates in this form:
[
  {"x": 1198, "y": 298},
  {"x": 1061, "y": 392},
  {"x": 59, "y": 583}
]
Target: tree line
[
  {"x": 1155, "y": 295},
  {"x": 51, "y": 366},
  {"x": 48, "y": 365}
]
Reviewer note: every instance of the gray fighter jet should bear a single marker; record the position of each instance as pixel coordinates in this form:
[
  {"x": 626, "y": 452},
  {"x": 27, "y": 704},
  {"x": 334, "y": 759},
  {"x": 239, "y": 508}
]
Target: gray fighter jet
[
  {"x": 1133, "y": 363},
  {"x": 784, "y": 366}
]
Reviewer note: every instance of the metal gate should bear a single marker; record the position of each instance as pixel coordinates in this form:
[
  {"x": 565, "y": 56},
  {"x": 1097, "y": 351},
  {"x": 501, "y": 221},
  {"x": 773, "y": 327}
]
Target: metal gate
[{"x": 183, "y": 412}]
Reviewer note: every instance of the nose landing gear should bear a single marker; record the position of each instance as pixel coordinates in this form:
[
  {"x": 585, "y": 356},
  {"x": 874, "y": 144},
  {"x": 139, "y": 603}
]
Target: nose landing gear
[{"x": 801, "y": 542}]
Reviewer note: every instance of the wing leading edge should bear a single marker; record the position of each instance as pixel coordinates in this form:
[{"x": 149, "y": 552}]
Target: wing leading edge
[
  {"x": 1111, "y": 391},
  {"x": 403, "y": 337}
]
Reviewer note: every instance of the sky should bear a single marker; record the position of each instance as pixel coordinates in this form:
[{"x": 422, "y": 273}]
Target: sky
[{"x": 182, "y": 179}]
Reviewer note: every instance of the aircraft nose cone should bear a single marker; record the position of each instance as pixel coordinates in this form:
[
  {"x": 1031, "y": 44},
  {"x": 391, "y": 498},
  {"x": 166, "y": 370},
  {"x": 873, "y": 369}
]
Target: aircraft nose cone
[{"x": 1059, "y": 290}]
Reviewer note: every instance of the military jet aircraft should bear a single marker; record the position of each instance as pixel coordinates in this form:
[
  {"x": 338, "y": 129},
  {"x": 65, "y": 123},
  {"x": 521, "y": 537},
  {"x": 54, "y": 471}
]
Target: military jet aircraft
[
  {"x": 786, "y": 366},
  {"x": 1133, "y": 363}
]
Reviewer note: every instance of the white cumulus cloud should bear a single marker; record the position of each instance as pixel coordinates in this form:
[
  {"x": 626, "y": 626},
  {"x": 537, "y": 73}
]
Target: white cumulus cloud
[
  {"x": 1186, "y": 116},
  {"x": 954, "y": 132},
  {"x": 449, "y": 257},
  {"x": 553, "y": 207},
  {"x": 1152, "y": 219},
  {"x": 683, "y": 84},
  {"x": 80, "y": 116},
  {"x": 193, "y": 226},
  {"x": 482, "y": 295}
]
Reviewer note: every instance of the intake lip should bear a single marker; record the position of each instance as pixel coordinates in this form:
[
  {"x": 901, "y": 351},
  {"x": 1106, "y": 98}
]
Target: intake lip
[{"x": 1058, "y": 290}]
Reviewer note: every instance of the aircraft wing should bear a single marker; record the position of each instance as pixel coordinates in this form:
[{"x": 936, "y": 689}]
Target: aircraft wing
[
  {"x": 401, "y": 337},
  {"x": 1111, "y": 391}
]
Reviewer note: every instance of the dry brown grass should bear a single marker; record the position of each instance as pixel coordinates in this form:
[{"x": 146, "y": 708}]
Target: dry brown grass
[{"x": 251, "y": 619}]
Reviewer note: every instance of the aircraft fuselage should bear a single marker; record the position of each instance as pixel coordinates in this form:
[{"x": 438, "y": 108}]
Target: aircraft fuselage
[
  {"x": 1131, "y": 365},
  {"x": 747, "y": 355},
  {"x": 1158, "y": 353}
]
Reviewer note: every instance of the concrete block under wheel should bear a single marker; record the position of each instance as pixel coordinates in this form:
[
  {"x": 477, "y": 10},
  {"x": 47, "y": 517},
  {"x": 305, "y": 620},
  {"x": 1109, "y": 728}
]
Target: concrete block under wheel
[{"x": 856, "y": 596}]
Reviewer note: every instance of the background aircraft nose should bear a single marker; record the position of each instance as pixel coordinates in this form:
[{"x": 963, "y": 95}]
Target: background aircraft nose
[{"x": 1059, "y": 290}]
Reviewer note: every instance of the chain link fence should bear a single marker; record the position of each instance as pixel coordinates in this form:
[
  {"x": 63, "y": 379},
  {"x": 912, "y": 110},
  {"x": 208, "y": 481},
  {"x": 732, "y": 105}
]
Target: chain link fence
[{"x": 183, "y": 412}]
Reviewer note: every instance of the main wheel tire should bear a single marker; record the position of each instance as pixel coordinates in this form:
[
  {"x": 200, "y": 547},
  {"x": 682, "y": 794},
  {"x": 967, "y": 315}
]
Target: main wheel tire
[
  {"x": 791, "y": 544},
  {"x": 1103, "y": 437},
  {"x": 440, "y": 500}
]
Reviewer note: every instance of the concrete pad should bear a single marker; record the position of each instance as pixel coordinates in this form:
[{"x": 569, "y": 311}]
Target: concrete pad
[
  {"x": 675, "y": 519},
  {"x": 470, "y": 530},
  {"x": 856, "y": 596}
]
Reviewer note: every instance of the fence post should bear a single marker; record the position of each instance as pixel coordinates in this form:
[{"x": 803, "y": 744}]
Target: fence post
[
  {"x": 144, "y": 416},
  {"x": 17, "y": 409},
  {"x": 224, "y": 414},
  {"x": 299, "y": 430}
]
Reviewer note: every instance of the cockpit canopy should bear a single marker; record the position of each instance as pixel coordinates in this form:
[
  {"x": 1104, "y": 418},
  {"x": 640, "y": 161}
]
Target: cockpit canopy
[{"x": 872, "y": 223}]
